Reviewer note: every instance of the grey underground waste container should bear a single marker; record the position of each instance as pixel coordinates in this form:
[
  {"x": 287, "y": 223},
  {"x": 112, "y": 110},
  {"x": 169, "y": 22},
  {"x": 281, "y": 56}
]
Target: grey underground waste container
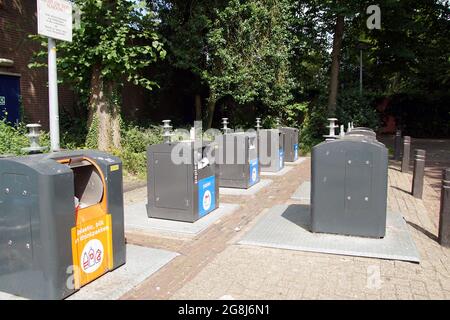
[
  {"x": 349, "y": 187},
  {"x": 271, "y": 152},
  {"x": 182, "y": 190},
  {"x": 362, "y": 131},
  {"x": 290, "y": 144},
  {"x": 238, "y": 160},
  {"x": 61, "y": 222}
]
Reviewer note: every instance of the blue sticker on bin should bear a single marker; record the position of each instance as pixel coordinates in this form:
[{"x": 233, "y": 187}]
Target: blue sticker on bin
[
  {"x": 206, "y": 195},
  {"x": 253, "y": 172},
  {"x": 281, "y": 159},
  {"x": 295, "y": 151}
]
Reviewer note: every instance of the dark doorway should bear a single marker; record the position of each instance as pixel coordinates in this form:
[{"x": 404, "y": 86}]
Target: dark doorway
[{"x": 10, "y": 98}]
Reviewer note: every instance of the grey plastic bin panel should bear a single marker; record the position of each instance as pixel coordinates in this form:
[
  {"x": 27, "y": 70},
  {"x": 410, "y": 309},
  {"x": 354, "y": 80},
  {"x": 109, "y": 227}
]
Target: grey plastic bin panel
[
  {"x": 169, "y": 194},
  {"x": 362, "y": 131},
  {"x": 238, "y": 160},
  {"x": 37, "y": 214},
  {"x": 173, "y": 189},
  {"x": 271, "y": 152},
  {"x": 290, "y": 146},
  {"x": 349, "y": 187}
]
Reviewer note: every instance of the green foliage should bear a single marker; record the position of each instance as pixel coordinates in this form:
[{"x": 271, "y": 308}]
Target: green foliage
[
  {"x": 12, "y": 139},
  {"x": 248, "y": 53},
  {"x": 408, "y": 55},
  {"x": 357, "y": 108},
  {"x": 92, "y": 134},
  {"x": 184, "y": 25},
  {"x": 73, "y": 131},
  {"x": 294, "y": 114},
  {"x": 134, "y": 141},
  {"x": 259, "y": 58},
  {"x": 314, "y": 125},
  {"x": 310, "y": 24},
  {"x": 134, "y": 145},
  {"x": 116, "y": 35}
]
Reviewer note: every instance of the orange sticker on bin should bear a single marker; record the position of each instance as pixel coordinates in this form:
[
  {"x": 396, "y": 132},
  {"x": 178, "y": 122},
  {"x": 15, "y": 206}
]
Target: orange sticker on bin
[{"x": 92, "y": 249}]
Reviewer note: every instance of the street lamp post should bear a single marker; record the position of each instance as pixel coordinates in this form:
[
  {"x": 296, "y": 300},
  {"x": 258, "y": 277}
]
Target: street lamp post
[
  {"x": 361, "y": 46},
  {"x": 360, "y": 71}
]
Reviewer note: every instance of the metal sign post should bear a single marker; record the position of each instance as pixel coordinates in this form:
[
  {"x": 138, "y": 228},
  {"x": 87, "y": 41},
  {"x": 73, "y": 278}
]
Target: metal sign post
[
  {"x": 54, "y": 22},
  {"x": 53, "y": 95}
]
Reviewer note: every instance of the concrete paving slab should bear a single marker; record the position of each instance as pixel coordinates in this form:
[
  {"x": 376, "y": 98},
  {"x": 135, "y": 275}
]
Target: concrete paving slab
[
  {"x": 142, "y": 262},
  {"x": 136, "y": 219},
  {"x": 246, "y": 192},
  {"x": 7, "y": 296},
  {"x": 303, "y": 193},
  {"x": 297, "y": 162},
  {"x": 282, "y": 172},
  {"x": 287, "y": 227}
]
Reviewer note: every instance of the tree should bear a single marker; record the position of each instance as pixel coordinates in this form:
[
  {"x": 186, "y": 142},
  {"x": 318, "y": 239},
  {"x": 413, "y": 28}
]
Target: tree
[
  {"x": 309, "y": 28},
  {"x": 238, "y": 50},
  {"x": 184, "y": 27},
  {"x": 115, "y": 42},
  {"x": 249, "y": 55},
  {"x": 335, "y": 61}
]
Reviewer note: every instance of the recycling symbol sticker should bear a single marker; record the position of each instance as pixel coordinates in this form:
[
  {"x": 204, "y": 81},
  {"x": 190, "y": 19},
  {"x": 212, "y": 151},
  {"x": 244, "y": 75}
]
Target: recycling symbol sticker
[
  {"x": 281, "y": 159},
  {"x": 253, "y": 171},
  {"x": 207, "y": 200},
  {"x": 92, "y": 256},
  {"x": 206, "y": 195}
]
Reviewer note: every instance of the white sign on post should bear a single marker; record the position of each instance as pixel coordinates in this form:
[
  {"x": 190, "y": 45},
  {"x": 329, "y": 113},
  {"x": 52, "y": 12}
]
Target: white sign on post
[
  {"x": 54, "y": 22},
  {"x": 55, "y": 19}
]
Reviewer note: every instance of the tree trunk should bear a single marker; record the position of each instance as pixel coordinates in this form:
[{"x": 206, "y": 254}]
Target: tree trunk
[
  {"x": 198, "y": 107},
  {"x": 211, "y": 109},
  {"x": 335, "y": 55},
  {"x": 104, "y": 114}
]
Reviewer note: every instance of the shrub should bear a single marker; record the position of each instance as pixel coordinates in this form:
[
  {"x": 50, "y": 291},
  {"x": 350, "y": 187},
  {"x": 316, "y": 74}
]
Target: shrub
[
  {"x": 294, "y": 114},
  {"x": 314, "y": 126},
  {"x": 135, "y": 140},
  {"x": 357, "y": 108},
  {"x": 73, "y": 131},
  {"x": 12, "y": 139},
  {"x": 351, "y": 107}
]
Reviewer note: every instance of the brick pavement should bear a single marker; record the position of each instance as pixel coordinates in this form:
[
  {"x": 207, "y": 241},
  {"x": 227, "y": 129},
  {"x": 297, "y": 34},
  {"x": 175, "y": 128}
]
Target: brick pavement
[
  {"x": 212, "y": 266},
  {"x": 437, "y": 159}
]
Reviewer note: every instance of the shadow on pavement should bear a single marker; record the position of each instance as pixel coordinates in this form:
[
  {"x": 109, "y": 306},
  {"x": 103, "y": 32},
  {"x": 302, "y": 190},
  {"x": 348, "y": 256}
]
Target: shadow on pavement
[
  {"x": 298, "y": 214},
  {"x": 423, "y": 231},
  {"x": 402, "y": 190}
]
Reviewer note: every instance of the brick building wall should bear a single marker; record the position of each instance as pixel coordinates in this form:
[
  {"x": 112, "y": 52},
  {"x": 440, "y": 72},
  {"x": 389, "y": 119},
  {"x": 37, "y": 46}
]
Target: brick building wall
[{"x": 17, "y": 20}]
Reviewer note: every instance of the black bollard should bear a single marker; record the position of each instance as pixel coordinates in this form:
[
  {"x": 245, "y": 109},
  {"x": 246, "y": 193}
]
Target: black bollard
[
  {"x": 397, "y": 144},
  {"x": 419, "y": 172},
  {"x": 444, "y": 216},
  {"x": 406, "y": 152}
]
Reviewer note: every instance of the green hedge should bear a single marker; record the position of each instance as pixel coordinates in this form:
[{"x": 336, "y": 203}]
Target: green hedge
[
  {"x": 13, "y": 139},
  {"x": 351, "y": 107},
  {"x": 135, "y": 140}
]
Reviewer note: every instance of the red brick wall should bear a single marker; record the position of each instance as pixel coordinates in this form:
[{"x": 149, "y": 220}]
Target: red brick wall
[{"x": 17, "y": 21}]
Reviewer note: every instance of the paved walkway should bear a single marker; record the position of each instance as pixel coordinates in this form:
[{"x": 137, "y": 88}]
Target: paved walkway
[
  {"x": 213, "y": 266},
  {"x": 437, "y": 159}
]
